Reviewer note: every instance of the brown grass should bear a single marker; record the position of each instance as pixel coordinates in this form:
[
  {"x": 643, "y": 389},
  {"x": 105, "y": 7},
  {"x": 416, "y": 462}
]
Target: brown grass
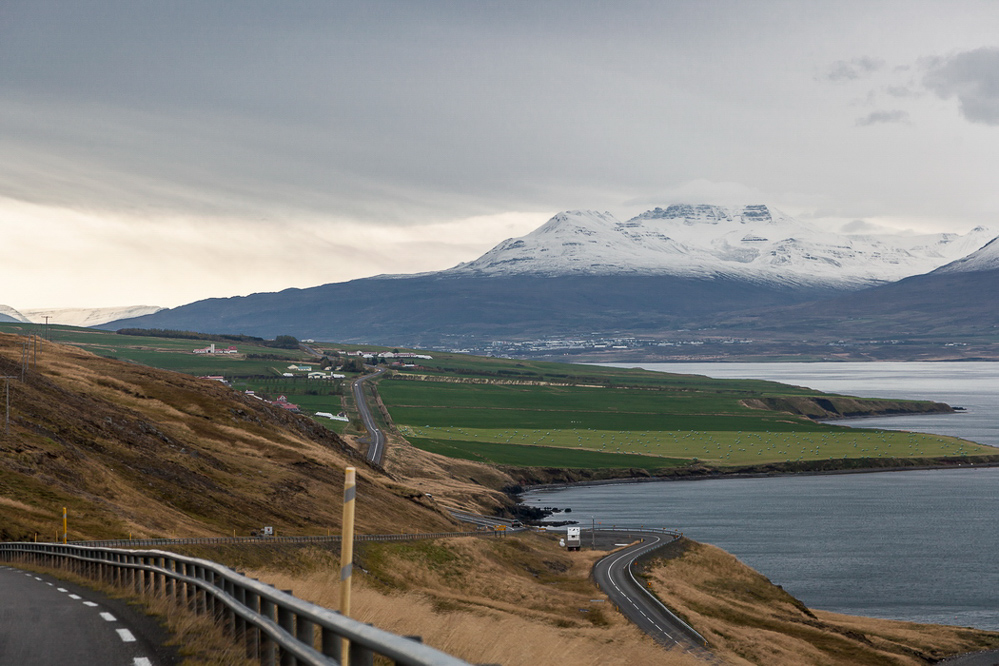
[
  {"x": 748, "y": 620},
  {"x": 135, "y": 450},
  {"x": 512, "y": 601}
]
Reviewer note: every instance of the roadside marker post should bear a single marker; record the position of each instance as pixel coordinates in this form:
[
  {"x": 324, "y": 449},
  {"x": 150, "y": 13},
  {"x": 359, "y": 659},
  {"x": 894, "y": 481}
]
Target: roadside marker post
[
  {"x": 347, "y": 550},
  {"x": 65, "y": 530}
]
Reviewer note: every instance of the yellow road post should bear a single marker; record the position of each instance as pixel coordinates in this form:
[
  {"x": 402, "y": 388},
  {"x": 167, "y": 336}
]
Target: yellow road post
[{"x": 347, "y": 550}]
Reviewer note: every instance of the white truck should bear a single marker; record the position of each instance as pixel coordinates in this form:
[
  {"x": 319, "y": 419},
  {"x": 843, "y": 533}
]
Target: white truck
[{"x": 572, "y": 540}]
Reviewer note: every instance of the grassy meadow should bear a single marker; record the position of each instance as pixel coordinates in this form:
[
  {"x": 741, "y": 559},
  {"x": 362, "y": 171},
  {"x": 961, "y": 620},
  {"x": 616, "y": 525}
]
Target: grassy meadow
[
  {"x": 537, "y": 413},
  {"x": 683, "y": 420}
]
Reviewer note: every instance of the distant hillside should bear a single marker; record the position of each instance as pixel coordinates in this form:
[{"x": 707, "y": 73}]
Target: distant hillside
[
  {"x": 135, "y": 450},
  {"x": 426, "y": 310},
  {"x": 959, "y": 305}
]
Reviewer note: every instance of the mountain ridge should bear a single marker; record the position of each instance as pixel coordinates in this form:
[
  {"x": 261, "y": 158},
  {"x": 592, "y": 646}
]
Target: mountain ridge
[{"x": 757, "y": 243}]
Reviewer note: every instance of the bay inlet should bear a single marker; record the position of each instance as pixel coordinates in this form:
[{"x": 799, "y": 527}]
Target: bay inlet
[{"x": 918, "y": 546}]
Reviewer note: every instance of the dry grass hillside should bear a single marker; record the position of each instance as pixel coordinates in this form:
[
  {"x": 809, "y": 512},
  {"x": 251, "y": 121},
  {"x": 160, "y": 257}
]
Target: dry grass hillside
[
  {"x": 135, "y": 450},
  {"x": 516, "y": 601},
  {"x": 748, "y": 620}
]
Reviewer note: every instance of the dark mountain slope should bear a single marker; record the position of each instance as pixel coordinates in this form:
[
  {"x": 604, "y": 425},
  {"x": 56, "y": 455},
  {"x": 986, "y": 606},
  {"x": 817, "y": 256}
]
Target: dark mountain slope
[
  {"x": 423, "y": 310},
  {"x": 935, "y": 304}
]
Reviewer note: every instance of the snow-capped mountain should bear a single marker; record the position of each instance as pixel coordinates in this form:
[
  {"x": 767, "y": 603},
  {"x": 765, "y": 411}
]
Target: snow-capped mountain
[
  {"x": 87, "y": 316},
  {"x": 8, "y": 313},
  {"x": 756, "y": 243},
  {"x": 985, "y": 259}
]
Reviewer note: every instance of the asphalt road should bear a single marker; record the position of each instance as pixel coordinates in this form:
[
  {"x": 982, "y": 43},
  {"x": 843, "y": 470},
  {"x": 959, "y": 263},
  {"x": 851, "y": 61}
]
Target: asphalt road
[
  {"x": 45, "y": 621},
  {"x": 613, "y": 575},
  {"x": 375, "y": 437}
]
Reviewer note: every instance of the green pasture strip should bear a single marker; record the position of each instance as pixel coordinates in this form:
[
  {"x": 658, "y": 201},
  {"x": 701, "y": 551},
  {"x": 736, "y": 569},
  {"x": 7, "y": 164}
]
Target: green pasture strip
[
  {"x": 713, "y": 447},
  {"x": 540, "y": 456},
  {"x": 561, "y": 398},
  {"x": 568, "y": 420}
]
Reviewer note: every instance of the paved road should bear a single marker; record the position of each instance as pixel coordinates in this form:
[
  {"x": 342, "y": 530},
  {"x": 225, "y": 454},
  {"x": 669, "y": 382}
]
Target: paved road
[
  {"x": 45, "y": 621},
  {"x": 375, "y": 437},
  {"x": 613, "y": 575},
  {"x": 989, "y": 658}
]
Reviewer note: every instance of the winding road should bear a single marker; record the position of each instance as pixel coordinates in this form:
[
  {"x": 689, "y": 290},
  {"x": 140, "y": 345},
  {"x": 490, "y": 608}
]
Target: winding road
[
  {"x": 614, "y": 576},
  {"x": 375, "y": 437}
]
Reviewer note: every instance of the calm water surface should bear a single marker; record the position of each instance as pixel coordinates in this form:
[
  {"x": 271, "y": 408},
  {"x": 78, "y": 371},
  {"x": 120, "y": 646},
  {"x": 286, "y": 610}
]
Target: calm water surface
[{"x": 920, "y": 546}]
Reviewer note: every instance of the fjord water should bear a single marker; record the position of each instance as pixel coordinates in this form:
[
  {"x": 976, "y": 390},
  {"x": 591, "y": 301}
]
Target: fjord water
[{"x": 918, "y": 546}]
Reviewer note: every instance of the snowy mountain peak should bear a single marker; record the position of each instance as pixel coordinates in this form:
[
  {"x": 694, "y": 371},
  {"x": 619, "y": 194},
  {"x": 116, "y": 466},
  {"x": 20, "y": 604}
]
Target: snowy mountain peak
[
  {"x": 984, "y": 259},
  {"x": 754, "y": 242},
  {"x": 691, "y": 213},
  {"x": 8, "y": 313},
  {"x": 88, "y": 316}
]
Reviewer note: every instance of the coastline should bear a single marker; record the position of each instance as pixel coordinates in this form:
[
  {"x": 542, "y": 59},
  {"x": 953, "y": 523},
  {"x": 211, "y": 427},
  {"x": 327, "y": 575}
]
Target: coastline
[{"x": 706, "y": 473}]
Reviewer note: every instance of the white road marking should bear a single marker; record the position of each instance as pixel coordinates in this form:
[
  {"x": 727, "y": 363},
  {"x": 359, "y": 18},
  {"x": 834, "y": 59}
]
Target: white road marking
[
  {"x": 109, "y": 617},
  {"x": 126, "y": 635},
  {"x": 75, "y": 597},
  {"x": 141, "y": 661},
  {"x": 89, "y": 603},
  {"x": 62, "y": 589},
  {"x": 37, "y": 578}
]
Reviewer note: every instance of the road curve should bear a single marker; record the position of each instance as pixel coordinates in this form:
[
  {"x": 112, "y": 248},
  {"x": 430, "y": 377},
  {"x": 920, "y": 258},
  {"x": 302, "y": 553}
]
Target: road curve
[
  {"x": 375, "y": 437},
  {"x": 613, "y": 575},
  {"x": 46, "y": 621}
]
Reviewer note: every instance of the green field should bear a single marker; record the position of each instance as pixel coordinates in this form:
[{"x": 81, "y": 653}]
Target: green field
[
  {"x": 536, "y": 413},
  {"x": 681, "y": 420}
]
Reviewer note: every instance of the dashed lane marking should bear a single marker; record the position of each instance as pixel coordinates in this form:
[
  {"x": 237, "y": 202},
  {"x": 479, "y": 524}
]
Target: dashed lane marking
[
  {"x": 125, "y": 635},
  {"x": 75, "y": 597},
  {"x": 109, "y": 617},
  {"x": 62, "y": 589},
  {"x": 90, "y": 603},
  {"x": 141, "y": 661}
]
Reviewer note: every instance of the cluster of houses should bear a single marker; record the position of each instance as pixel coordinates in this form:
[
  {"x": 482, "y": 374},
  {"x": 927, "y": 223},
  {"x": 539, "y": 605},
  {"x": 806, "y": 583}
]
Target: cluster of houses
[
  {"x": 388, "y": 355},
  {"x": 312, "y": 374},
  {"x": 210, "y": 349}
]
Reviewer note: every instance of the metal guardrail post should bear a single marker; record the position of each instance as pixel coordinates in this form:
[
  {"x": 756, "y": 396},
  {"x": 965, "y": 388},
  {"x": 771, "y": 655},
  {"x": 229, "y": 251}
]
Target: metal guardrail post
[
  {"x": 304, "y": 631},
  {"x": 286, "y": 621},
  {"x": 252, "y": 602},
  {"x": 268, "y": 649},
  {"x": 330, "y": 644}
]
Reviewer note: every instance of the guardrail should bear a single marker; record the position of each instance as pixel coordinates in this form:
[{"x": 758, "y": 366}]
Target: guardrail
[
  {"x": 216, "y": 541},
  {"x": 274, "y": 626}
]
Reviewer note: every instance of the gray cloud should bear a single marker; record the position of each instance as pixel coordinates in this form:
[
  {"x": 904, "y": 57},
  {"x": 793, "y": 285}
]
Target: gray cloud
[
  {"x": 851, "y": 70},
  {"x": 882, "y": 117},
  {"x": 973, "y": 78}
]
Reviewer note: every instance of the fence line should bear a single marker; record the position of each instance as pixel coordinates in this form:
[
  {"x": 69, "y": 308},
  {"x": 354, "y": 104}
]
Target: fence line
[
  {"x": 274, "y": 626},
  {"x": 214, "y": 541}
]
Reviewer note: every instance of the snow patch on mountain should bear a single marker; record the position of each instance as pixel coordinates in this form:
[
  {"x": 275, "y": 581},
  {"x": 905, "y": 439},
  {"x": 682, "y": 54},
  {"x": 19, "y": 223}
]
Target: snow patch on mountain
[
  {"x": 757, "y": 243},
  {"x": 88, "y": 316},
  {"x": 984, "y": 259},
  {"x": 8, "y": 313}
]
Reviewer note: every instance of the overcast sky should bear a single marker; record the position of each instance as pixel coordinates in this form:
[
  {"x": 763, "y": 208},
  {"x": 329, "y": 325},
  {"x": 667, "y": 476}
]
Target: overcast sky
[{"x": 162, "y": 152}]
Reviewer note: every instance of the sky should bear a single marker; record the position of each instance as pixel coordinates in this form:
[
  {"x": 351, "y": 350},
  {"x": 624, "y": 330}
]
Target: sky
[{"x": 161, "y": 153}]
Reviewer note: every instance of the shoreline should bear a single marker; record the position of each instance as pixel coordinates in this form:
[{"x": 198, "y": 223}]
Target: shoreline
[{"x": 707, "y": 474}]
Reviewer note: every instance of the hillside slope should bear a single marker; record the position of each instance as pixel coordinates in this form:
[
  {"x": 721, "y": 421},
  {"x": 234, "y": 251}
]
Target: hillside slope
[
  {"x": 134, "y": 450},
  {"x": 426, "y": 311}
]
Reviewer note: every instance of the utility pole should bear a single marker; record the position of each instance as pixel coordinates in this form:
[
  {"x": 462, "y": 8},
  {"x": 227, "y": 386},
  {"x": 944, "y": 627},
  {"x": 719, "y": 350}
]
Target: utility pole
[
  {"x": 7, "y": 378},
  {"x": 46, "y": 326}
]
